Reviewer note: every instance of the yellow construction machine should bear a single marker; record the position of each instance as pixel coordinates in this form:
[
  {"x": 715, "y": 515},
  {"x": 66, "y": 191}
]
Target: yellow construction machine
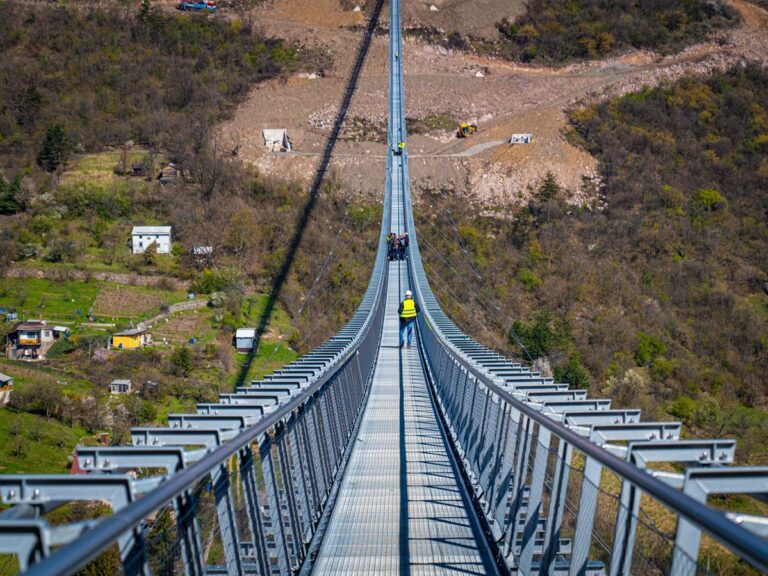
[{"x": 466, "y": 130}]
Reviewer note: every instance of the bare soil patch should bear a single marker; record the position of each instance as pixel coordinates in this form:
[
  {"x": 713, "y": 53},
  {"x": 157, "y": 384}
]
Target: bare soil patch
[
  {"x": 503, "y": 98},
  {"x": 474, "y": 17}
]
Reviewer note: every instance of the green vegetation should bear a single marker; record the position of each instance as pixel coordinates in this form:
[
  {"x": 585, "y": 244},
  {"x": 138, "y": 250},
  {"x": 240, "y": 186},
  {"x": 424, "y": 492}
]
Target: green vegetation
[
  {"x": 562, "y": 30},
  {"x": 271, "y": 356},
  {"x": 558, "y": 31},
  {"x": 35, "y": 444},
  {"x": 434, "y": 121},
  {"x": 72, "y": 302},
  {"x": 55, "y": 148},
  {"x": 54, "y": 301},
  {"x": 153, "y": 78},
  {"x": 81, "y": 153},
  {"x": 660, "y": 299}
]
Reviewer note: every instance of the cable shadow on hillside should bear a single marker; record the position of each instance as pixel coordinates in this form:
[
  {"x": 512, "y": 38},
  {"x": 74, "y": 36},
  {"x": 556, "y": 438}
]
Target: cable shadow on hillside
[{"x": 314, "y": 191}]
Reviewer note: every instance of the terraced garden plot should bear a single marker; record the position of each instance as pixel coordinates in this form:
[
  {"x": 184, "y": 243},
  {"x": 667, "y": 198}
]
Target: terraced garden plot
[
  {"x": 53, "y": 301},
  {"x": 180, "y": 328},
  {"x": 131, "y": 301}
]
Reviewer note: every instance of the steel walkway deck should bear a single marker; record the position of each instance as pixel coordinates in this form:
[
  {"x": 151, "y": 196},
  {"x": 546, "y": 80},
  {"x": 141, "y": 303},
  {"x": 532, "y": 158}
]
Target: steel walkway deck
[{"x": 400, "y": 508}]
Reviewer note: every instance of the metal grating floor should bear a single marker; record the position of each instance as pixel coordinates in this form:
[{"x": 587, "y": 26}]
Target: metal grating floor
[{"x": 400, "y": 508}]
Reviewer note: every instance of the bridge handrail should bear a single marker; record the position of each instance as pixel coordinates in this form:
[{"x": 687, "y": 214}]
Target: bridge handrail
[
  {"x": 720, "y": 526},
  {"x": 75, "y": 555}
]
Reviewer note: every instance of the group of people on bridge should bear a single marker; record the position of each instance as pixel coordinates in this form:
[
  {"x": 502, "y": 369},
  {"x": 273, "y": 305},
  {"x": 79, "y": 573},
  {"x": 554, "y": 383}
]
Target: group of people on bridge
[{"x": 397, "y": 246}]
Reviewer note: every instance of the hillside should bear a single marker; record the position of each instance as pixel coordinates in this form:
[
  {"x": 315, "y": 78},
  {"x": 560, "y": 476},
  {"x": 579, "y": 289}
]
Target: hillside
[
  {"x": 657, "y": 298},
  {"x": 656, "y": 295},
  {"x": 559, "y": 31},
  {"x": 80, "y": 155}
]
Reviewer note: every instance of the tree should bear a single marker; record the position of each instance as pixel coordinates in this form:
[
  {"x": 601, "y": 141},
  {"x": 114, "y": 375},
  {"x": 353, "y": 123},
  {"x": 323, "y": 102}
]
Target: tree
[
  {"x": 573, "y": 372},
  {"x": 54, "y": 149},
  {"x": 242, "y": 234},
  {"x": 111, "y": 242},
  {"x": 539, "y": 337},
  {"x": 182, "y": 361},
  {"x": 549, "y": 188},
  {"x": 9, "y": 196},
  {"x": 28, "y": 106},
  {"x": 145, "y": 11},
  {"x": 149, "y": 254}
]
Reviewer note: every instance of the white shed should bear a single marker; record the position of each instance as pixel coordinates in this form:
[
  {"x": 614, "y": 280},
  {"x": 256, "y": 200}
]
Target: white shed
[
  {"x": 276, "y": 139},
  {"x": 120, "y": 387},
  {"x": 245, "y": 339},
  {"x": 144, "y": 236},
  {"x": 521, "y": 139}
]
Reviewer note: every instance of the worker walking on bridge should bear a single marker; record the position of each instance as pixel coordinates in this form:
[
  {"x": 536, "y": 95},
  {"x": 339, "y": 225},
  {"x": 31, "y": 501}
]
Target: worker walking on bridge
[{"x": 408, "y": 311}]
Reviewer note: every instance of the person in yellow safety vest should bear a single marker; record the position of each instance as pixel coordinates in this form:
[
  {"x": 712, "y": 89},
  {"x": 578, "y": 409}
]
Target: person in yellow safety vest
[
  {"x": 408, "y": 311},
  {"x": 401, "y": 146}
]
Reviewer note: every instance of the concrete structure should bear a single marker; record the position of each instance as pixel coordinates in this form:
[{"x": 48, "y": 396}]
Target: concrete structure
[
  {"x": 245, "y": 339},
  {"x": 29, "y": 340},
  {"x": 521, "y": 139},
  {"x": 6, "y": 386},
  {"x": 130, "y": 339},
  {"x": 144, "y": 236},
  {"x": 120, "y": 387},
  {"x": 276, "y": 139}
]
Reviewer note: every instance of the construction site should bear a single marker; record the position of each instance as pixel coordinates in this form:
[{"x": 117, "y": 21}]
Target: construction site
[{"x": 501, "y": 98}]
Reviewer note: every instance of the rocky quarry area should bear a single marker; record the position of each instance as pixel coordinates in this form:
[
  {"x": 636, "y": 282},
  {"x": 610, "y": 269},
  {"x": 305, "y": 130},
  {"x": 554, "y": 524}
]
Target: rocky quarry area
[{"x": 501, "y": 97}]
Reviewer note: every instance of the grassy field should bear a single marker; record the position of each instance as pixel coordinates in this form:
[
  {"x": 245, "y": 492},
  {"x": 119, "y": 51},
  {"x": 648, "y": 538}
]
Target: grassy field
[
  {"x": 271, "y": 356},
  {"x": 274, "y": 351},
  {"x": 60, "y": 301},
  {"x": 279, "y": 321},
  {"x": 28, "y": 372},
  {"x": 101, "y": 167},
  {"x": 171, "y": 405},
  {"x": 54, "y": 301},
  {"x": 34, "y": 444}
]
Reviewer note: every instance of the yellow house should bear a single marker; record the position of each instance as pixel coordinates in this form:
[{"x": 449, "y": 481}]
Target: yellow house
[{"x": 134, "y": 338}]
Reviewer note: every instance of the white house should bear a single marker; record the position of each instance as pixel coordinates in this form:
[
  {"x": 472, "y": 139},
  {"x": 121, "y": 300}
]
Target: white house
[{"x": 144, "y": 236}]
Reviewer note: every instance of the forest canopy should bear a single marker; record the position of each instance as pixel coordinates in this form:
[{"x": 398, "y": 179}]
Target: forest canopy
[
  {"x": 562, "y": 30},
  {"x": 102, "y": 76}
]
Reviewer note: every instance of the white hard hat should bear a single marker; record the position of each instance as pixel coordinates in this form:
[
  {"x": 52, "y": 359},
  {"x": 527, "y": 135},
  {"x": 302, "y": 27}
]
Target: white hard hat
[{"x": 408, "y": 294}]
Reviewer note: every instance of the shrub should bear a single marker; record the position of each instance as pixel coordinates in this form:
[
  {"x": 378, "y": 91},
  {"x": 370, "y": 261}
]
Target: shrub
[
  {"x": 710, "y": 200},
  {"x": 648, "y": 348},
  {"x": 529, "y": 278},
  {"x": 216, "y": 280},
  {"x": 683, "y": 408}
]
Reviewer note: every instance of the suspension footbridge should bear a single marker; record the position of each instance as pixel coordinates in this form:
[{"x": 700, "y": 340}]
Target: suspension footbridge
[{"x": 363, "y": 457}]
